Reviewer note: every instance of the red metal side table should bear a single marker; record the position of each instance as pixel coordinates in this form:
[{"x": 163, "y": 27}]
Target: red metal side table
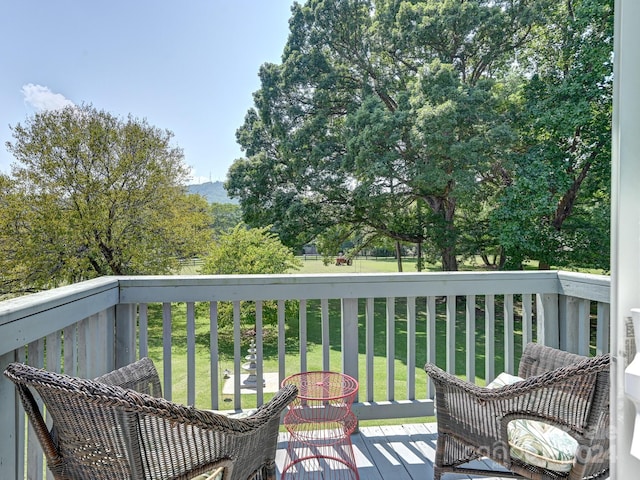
[{"x": 320, "y": 423}]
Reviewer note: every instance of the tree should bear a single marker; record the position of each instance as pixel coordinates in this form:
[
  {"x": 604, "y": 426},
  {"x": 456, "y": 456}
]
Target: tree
[
  {"x": 555, "y": 209},
  {"x": 249, "y": 251},
  {"x": 224, "y": 217},
  {"x": 382, "y": 117},
  {"x": 91, "y": 195}
]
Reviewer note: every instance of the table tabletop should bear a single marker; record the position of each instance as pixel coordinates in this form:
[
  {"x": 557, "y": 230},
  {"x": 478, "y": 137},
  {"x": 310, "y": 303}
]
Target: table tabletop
[{"x": 321, "y": 385}]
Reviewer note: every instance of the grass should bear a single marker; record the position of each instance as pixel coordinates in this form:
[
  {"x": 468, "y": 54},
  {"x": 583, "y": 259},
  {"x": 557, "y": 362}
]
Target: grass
[{"x": 314, "y": 264}]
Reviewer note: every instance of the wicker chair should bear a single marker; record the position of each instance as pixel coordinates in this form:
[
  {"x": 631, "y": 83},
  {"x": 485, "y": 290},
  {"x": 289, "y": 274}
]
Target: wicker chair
[
  {"x": 119, "y": 427},
  {"x": 559, "y": 388}
]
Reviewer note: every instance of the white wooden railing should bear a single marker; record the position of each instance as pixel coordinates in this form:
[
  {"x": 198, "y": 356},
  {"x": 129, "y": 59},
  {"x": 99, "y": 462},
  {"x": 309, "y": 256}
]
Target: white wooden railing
[{"x": 449, "y": 318}]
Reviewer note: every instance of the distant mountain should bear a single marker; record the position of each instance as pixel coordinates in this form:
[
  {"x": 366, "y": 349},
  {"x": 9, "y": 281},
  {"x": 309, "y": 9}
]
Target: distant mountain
[{"x": 214, "y": 192}]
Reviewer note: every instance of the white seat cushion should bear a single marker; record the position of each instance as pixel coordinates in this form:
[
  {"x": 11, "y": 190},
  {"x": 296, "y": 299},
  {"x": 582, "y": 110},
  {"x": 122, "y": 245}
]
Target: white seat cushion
[{"x": 538, "y": 443}]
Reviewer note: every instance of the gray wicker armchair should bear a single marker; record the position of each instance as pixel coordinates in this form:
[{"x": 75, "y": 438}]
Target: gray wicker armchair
[
  {"x": 119, "y": 427},
  {"x": 562, "y": 389}
]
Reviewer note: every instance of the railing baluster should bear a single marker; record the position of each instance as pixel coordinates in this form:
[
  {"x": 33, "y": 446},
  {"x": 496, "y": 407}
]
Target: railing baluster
[
  {"x": 431, "y": 338},
  {"x": 568, "y": 325},
  {"x": 166, "y": 350},
  {"x": 282, "y": 373},
  {"x": 125, "y": 334},
  {"x": 214, "y": 354},
  {"x": 53, "y": 344},
  {"x": 326, "y": 342},
  {"x": 527, "y": 319},
  {"x": 191, "y": 354},
  {"x": 70, "y": 352},
  {"x": 509, "y": 352},
  {"x": 81, "y": 333},
  {"x": 602, "y": 332},
  {"x": 471, "y": 338},
  {"x": 94, "y": 351},
  {"x": 237, "y": 355},
  {"x": 369, "y": 348},
  {"x": 259, "y": 355},
  {"x": 349, "y": 340},
  {"x": 302, "y": 337},
  {"x": 391, "y": 347},
  {"x": 143, "y": 330},
  {"x": 451, "y": 334},
  {"x": 489, "y": 337},
  {"x": 548, "y": 319},
  {"x": 584, "y": 326},
  {"x": 411, "y": 348}
]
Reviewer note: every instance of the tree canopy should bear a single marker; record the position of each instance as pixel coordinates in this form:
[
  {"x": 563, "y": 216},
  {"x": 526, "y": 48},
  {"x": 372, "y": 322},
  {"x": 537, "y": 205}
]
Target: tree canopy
[
  {"x": 244, "y": 250},
  {"x": 91, "y": 194},
  {"x": 428, "y": 122}
]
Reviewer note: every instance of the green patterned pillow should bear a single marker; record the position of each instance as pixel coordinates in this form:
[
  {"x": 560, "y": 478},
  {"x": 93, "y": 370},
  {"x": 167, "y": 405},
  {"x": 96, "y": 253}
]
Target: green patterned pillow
[
  {"x": 538, "y": 443},
  {"x": 216, "y": 474}
]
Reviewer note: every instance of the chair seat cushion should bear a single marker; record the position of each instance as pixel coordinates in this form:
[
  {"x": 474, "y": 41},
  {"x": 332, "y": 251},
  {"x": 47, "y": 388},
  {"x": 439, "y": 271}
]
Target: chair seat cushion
[{"x": 535, "y": 442}]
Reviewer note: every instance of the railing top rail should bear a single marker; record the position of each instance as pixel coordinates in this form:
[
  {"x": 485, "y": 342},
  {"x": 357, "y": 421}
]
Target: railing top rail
[
  {"x": 274, "y": 287},
  {"x": 585, "y": 285},
  {"x": 35, "y": 303},
  {"x": 53, "y": 310},
  {"x": 59, "y": 307}
]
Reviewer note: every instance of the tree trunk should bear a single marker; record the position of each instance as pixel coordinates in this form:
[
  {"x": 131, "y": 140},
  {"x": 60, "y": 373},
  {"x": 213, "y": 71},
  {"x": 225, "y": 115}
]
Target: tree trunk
[
  {"x": 399, "y": 255},
  {"x": 449, "y": 260}
]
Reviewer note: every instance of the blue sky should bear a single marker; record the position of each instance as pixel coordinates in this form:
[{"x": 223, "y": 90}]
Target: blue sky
[{"x": 188, "y": 66}]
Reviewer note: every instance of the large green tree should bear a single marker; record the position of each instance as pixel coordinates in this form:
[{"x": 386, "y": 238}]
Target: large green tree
[
  {"x": 555, "y": 208},
  {"x": 91, "y": 194},
  {"x": 382, "y": 116}
]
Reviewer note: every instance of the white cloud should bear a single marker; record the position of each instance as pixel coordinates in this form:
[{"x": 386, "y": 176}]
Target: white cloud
[
  {"x": 42, "y": 98},
  {"x": 195, "y": 179}
]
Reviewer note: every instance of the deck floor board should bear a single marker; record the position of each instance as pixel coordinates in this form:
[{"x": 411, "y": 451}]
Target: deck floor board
[{"x": 397, "y": 452}]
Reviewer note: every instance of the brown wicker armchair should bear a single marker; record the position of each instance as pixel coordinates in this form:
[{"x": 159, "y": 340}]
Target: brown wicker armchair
[
  {"x": 119, "y": 427},
  {"x": 562, "y": 389}
]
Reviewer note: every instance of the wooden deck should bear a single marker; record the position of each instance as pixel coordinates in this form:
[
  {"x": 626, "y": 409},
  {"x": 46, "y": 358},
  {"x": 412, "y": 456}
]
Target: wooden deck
[{"x": 400, "y": 452}]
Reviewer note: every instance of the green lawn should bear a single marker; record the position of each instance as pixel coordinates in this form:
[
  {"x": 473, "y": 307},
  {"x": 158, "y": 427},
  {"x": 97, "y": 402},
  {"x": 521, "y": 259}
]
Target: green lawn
[{"x": 314, "y": 264}]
